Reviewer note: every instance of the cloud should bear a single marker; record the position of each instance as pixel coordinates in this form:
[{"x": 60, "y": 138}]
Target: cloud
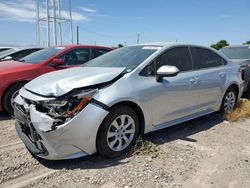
[
  {"x": 25, "y": 11},
  {"x": 88, "y": 10}
]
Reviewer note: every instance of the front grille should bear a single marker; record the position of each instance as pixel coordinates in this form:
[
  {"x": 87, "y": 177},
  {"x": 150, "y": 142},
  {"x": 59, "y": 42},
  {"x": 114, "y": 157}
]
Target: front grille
[
  {"x": 27, "y": 127},
  {"x": 21, "y": 108}
]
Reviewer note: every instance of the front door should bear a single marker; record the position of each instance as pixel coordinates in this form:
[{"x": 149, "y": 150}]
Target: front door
[{"x": 174, "y": 97}]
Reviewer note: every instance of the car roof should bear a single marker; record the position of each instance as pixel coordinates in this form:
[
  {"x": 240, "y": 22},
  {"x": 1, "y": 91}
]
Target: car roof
[
  {"x": 79, "y": 45},
  {"x": 172, "y": 44}
]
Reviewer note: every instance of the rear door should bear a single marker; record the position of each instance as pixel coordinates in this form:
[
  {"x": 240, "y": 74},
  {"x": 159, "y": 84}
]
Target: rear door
[{"x": 211, "y": 76}]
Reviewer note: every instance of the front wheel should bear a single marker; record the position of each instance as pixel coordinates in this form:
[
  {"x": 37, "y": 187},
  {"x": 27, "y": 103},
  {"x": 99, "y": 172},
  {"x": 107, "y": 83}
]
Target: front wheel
[
  {"x": 229, "y": 101},
  {"x": 118, "y": 132}
]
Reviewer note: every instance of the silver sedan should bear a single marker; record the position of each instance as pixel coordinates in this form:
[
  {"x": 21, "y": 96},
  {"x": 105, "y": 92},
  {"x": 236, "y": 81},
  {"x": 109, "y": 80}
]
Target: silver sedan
[{"x": 104, "y": 105}]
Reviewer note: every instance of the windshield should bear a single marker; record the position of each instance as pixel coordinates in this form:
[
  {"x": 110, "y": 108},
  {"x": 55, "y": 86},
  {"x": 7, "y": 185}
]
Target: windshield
[
  {"x": 129, "y": 57},
  {"x": 237, "y": 52},
  {"x": 42, "y": 55}
]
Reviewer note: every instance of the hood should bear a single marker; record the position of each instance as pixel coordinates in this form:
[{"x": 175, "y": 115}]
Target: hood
[
  {"x": 241, "y": 62},
  {"x": 12, "y": 65},
  {"x": 58, "y": 83}
]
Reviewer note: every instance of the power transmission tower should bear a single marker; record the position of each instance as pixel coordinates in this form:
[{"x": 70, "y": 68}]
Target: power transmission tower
[{"x": 55, "y": 19}]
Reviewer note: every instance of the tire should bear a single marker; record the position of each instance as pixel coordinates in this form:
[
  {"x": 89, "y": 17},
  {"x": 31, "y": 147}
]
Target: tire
[
  {"x": 9, "y": 96},
  {"x": 121, "y": 139},
  {"x": 229, "y": 101}
]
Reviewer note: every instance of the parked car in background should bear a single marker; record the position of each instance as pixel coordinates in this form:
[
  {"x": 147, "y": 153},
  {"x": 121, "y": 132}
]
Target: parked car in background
[
  {"x": 241, "y": 56},
  {"x": 15, "y": 74},
  {"x": 104, "y": 105},
  {"x": 4, "y": 48},
  {"x": 17, "y": 53}
]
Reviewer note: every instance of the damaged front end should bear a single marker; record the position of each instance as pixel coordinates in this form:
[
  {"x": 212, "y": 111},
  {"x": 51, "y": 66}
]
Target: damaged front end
[
  {"x": 38, "y": 121},
  {"x": 49, "y": 114},
  {"x": 60, "y": 110}
]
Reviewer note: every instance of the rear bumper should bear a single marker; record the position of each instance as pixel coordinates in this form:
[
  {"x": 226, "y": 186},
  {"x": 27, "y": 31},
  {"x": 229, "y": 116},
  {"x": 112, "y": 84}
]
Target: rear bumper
[{"x": 75, "y": 138}]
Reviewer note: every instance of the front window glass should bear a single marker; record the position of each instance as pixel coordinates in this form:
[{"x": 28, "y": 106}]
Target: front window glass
[
  {"x": 129, "y": 57},
  {"x": 236, "y": 52},
  {"x": 42, "y": 55},
  {"x": 179, "y": 57}
]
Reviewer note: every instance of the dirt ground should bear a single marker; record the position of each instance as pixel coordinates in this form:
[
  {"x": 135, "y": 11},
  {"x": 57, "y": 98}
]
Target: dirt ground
[{"x": 205, "y": 152}]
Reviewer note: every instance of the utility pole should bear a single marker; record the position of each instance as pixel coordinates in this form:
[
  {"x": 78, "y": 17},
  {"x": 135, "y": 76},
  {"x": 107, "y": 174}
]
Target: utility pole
[
  {"x": 54, "y": 23},
  {"x": 60, "y": 21},
  {"x": 71, "y": 25},
  {"x": 47, "y": 20},
  {"x": 138, "y": 38},
  {"x": 77, "y": 34},
  {"x": 37, "y": 24}
]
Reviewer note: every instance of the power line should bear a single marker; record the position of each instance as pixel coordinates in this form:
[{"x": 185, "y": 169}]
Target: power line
[{"x": 107, "y": 36}]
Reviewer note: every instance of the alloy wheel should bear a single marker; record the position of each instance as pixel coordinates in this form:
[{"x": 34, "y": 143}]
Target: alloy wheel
[
  {"x": 229, "y": 101},
  {"x": 121, "y": 133}
]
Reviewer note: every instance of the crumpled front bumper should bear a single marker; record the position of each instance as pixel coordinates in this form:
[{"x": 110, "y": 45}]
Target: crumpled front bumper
[{"x": 75, "y": 138}]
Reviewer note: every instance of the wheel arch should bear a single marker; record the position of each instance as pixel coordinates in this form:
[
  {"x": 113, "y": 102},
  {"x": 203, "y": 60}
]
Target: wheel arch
[
  {"x": 134, "y": 106},
  {"x": 8, "y": 87},
  {"x": 235, "y": 87}
]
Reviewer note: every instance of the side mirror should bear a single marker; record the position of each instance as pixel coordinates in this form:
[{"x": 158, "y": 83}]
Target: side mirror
[
  {"x": 7, "y": 58},
  {"x": 166, "y": 71},
  {"x": 57, "y": 62}
]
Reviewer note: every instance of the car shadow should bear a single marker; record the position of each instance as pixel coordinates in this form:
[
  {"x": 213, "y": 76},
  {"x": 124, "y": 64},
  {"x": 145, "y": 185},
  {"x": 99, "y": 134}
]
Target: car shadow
[
  {"x": 181, "y": 131},
  {"x": 4, "y": 116},
  {"x": 184, "y": 130}
]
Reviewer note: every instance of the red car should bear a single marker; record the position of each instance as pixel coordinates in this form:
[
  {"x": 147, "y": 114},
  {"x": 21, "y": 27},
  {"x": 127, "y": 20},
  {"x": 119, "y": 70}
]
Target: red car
[{"x": 14, "y": 74}]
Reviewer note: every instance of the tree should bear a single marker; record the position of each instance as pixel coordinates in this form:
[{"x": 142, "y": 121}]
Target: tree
[
  {"x": 247, "y": 42},
  {"x": 120, "y": 46},
  {"x": 220, "y": 44}
]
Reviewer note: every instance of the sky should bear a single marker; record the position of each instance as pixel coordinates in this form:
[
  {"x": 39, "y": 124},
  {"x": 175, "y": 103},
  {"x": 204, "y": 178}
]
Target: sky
[{"x": 111, "y": 22}]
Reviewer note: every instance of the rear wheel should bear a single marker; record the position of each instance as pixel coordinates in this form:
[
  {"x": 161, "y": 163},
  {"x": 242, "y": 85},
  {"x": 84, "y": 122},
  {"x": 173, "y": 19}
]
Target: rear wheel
[
  {"x": 9, "y": 96},
  {"x": 118, "y": 132},
  {"x": 229, "y": 100}
]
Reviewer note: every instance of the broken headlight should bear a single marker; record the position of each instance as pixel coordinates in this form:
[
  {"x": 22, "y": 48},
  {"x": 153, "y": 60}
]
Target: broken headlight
[{"x": 68, "y": 106}]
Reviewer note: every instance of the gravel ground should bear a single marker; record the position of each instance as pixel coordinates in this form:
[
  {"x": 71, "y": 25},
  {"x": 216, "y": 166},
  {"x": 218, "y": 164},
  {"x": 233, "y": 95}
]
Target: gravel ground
[{"x": 205, "y": 152}]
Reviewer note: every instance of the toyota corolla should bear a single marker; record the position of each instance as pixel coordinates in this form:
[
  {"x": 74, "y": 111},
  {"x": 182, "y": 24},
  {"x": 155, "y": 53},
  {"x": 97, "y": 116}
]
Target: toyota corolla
[{"x": 104, "y": 105}]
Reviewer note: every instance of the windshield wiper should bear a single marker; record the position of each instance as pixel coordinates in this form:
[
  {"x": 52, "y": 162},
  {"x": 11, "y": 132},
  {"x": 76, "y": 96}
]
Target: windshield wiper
[{"x": 21, "y": 60}]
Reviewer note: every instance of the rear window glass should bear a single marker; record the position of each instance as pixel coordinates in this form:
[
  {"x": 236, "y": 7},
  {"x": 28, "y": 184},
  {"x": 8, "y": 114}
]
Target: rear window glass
[{"x": 205, "y": 58}]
